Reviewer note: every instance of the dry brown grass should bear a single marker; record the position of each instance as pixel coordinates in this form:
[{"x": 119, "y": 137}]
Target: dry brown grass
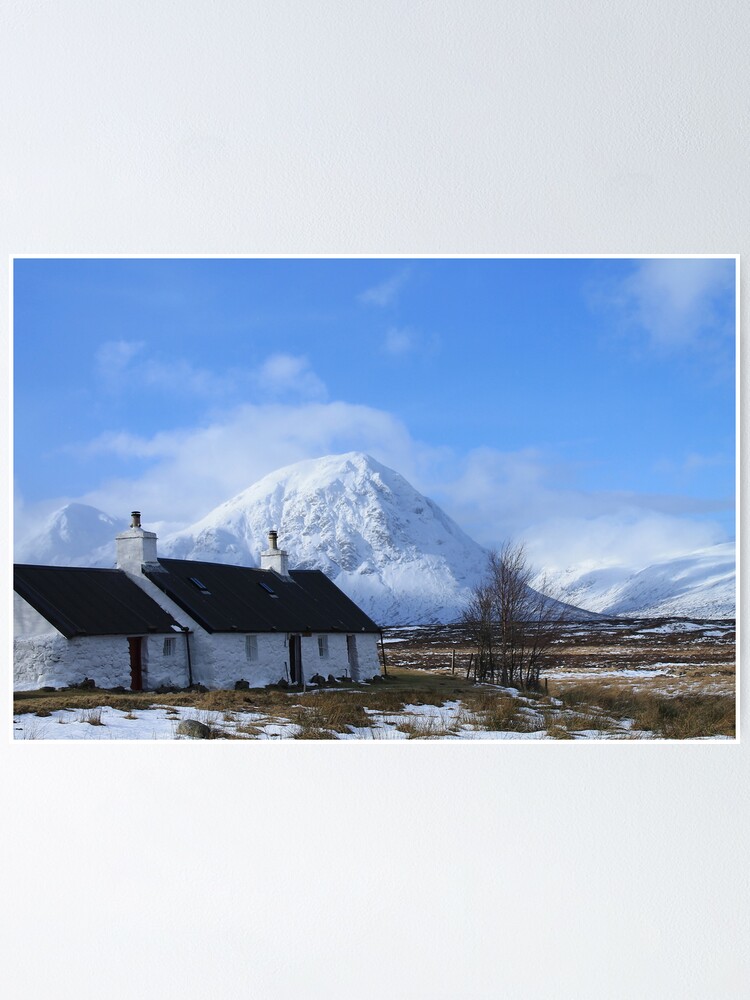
[
  {"x": 495, "y": 711},
  {"x": 423, "y": 727},
  {"x": 687, "y": 716},
  {"x": 93, "y": 716},
  {"x": 556, "y": 731},
  {"x": 400, "y": 687}
]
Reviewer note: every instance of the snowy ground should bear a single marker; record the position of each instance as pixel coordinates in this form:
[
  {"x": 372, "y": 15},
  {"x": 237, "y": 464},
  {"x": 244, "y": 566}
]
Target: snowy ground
[
  {"x": 161, "y": 724},
  {"x": 449, "y": 721}
]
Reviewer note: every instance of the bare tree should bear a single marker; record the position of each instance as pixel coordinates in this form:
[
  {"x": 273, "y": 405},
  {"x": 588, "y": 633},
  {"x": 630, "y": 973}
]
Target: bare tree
[
  {"x": 477, "y": 619},
  {"x": 512, "y": 624}
]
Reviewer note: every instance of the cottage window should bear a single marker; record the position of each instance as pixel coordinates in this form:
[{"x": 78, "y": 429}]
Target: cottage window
[
  {"x": 251, "y": 647},
  {"x": 169, "y": 647},
  {"x": 323, "y": 646}
]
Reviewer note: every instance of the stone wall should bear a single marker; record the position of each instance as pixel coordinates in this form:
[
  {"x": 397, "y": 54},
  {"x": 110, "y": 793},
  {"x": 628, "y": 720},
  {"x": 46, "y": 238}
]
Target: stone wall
[{"x": 42, "y": 656}]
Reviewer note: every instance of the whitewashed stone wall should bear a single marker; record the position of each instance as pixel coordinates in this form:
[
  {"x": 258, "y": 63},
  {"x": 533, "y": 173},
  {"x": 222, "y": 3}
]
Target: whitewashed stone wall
[
  {"x": 59, "y": 662},
  {"x": 337, "y": 661},
  {"x": 42, "y": 656},
  {"x": 39, "y": 661},
  {"x": 218, "y": 663},
  {"x": 220, "y": 660},
  {"x": 223, "y": 660},
  {"x": 367, "y": 655},
  {"x": 160, "y": 670}
]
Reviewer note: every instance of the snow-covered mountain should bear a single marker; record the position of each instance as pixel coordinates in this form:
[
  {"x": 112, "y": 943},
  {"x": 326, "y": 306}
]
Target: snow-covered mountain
[
  {"x": 700, "y": 584},
  {"x": 74, "y": 535},
  {"x": 392, "y": 550},
  {"x": 395, "y": 552}
]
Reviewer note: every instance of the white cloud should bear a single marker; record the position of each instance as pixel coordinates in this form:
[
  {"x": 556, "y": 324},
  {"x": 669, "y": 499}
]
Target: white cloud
[
  {"x": 284, "y": 374},
  {"x": 122, "y": 365},
  {"x": 181, "y": 377},
  {"x": 386, "y": 292},
  {"x": 399, "y": 340},
  {"x": 114, "y": 357},
  {"x": 122, "y": 444},
  {"x": 193, "y": 470},
  {"x": 692, "y": 463},
  {"x": 402, "y": 340},
  {"x": 629, "y": 537},
  {"x": 678, "y": 302},
  {"x": 502, "y": 495},
  {"x": 696, "y": 462}
]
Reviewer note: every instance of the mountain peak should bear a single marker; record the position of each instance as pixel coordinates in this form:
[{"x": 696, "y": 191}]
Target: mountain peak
[
  {"x": 73, "y": 535},
  {"x": 328, "y": 468},
  {"x": 391, "y": 549}
]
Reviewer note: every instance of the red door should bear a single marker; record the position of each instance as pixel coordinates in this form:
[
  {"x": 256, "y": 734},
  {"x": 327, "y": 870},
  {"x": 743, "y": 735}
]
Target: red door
[{"x": 136, "y": 669}]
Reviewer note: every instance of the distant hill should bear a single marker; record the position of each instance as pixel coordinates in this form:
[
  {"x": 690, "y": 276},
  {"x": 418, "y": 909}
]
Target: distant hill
[
  {"x": 698, "y": 585},
  {"x": 75, "y": 535}
]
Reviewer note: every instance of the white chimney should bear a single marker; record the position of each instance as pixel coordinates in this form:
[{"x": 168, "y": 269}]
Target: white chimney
[
  {"x": 274, "y": 558},
  {"x": 136, "y": 548}
]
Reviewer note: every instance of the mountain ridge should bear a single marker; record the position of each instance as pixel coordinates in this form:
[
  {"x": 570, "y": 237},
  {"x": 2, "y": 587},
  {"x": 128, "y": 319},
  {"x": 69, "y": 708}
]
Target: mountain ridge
[{"x": 701, "y": 583}]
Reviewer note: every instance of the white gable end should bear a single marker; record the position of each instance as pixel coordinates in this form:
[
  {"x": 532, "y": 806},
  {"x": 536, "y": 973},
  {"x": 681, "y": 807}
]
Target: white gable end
[{"x": 27, "y": 621}]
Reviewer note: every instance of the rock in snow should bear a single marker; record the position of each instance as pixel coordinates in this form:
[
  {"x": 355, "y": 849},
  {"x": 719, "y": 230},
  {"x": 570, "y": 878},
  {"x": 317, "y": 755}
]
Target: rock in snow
[{"x": 392, "y": 550}]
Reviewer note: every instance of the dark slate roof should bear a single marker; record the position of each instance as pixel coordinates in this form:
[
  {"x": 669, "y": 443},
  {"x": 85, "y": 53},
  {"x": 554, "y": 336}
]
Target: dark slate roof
[
  {"x": 83, "y": 601},
  {"x": 232, "y": 598}
]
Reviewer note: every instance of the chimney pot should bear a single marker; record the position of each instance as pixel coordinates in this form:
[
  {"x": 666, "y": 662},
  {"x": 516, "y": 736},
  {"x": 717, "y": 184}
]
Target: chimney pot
[
  {"x": 275, "y": 559},
  {"x": 136, "y": 548}
]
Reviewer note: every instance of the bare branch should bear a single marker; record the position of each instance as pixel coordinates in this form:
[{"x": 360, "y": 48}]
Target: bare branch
[{"x": 512, "y": 624}]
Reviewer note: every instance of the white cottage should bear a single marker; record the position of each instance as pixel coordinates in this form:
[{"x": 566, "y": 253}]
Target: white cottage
[{"x": 173, "y": 622}]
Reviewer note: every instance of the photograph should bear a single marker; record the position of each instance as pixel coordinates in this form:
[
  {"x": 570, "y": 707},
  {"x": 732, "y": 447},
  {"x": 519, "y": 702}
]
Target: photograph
[{"x": 375, "y": 498}]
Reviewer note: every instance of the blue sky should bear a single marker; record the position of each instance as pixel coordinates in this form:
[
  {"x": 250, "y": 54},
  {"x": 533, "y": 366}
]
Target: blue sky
[{"x": 586, "y": 406}]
